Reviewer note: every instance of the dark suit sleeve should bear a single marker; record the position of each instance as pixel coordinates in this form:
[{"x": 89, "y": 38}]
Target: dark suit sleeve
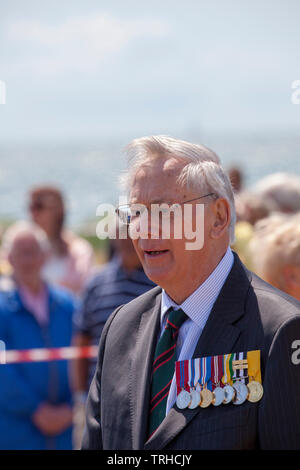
[
  {"x": 279, "y": 413},
  {"x": 92, "y": 437}
]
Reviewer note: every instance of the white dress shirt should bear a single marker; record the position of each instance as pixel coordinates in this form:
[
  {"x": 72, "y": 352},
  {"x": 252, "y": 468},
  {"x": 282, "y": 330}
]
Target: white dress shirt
[{"x": 197, "y": 307}]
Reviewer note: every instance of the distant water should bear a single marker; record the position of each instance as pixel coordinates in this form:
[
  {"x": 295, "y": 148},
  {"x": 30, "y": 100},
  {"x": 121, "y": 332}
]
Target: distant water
[{"x": 88, "y": 172}]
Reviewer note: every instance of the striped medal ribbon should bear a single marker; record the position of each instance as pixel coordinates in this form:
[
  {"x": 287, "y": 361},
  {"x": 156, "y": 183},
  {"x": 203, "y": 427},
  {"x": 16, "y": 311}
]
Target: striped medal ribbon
[
  {"x": 255, "y": 387},
  {"x": 216, "y": 377},
  {"x": 229, "y": 391},
  {"x": 182, "y": 378},
  {"x": 240, "y": 376},
  {"x": 194, "y": 375},
  {"x": 206, "y": 394}
]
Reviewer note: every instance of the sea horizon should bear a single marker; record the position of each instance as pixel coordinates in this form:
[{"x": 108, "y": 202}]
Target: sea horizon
[{"x": 87, "y": 169}]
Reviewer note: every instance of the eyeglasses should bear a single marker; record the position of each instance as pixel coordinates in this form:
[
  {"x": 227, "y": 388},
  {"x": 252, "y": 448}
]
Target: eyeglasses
[{"x": 130, "y": 213}]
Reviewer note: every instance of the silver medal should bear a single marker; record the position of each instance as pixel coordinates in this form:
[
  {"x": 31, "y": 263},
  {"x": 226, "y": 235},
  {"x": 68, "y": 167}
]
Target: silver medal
[
  {"x": 241, "y": 393},
  {"x": 195, "y": 399},
  {"x": 183, "y": 399},
  {"x": 229, "y": 394},
  {"x": 219, "y": 396}
]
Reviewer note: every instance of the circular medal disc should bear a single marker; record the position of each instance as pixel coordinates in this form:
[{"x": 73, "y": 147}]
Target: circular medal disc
[
  {"x": 218, "y": 396},
  {"x": 195, "y": 399},
  {"x": 229, "y": 393},
  {"x": 241, "y": 393},
  {"x": 256, "y": 391},
  {"x": 183, "y": 399},
  {"x": 206, "y": 398}
]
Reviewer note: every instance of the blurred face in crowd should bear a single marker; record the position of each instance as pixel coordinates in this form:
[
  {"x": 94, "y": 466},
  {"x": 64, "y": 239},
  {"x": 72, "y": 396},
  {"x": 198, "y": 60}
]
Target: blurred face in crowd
[
  {"x": 167, "y": 262},
  {"x": 235, "y": 176},
  {"x": 125, "y": 249},
  {"x": 26, "y": 258},
  {"x": 47, "y": 212}
]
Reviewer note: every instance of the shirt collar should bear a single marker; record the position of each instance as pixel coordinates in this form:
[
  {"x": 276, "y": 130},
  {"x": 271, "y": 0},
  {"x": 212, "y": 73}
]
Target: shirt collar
[{"x": 199, "y": 304}]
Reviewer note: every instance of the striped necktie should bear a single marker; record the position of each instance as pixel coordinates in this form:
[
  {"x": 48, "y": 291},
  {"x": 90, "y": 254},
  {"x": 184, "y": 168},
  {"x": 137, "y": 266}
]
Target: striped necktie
[{"x": 163, "y": 368}]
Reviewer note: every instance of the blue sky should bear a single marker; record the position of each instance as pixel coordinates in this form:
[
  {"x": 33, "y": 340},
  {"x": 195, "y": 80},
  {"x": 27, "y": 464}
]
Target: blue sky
[{"x": 82, "y": 70}]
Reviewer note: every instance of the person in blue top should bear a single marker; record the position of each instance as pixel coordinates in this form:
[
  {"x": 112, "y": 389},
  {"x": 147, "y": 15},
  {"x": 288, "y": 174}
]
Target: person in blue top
[{"x": 35, "y": 398}]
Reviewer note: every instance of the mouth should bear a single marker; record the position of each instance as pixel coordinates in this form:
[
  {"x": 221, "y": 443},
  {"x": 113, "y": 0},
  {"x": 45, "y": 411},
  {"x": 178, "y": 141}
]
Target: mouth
[{"x": 155, "y": 253}]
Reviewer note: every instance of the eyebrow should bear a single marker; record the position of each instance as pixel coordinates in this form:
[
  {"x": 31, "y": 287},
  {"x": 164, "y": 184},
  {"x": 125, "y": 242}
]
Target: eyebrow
[{"x": 154, "y": 201}]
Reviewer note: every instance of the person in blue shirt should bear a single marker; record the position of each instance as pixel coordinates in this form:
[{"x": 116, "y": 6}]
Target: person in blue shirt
[{"x": 35, "y": 398}]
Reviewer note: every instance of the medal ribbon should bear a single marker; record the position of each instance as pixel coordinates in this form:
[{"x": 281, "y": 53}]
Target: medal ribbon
[
  {"x": 216, "y": 370},
  {"x": 240, "y": 372},
  {"x": 227, "y": 375},
  {"x": 191, "y": 373},
  {"x": 253, "y": 358},
  {"x": 178, "y": 376},
  {"x": 246, "y": 371},
  {"x": 220, "y": 370},
  {"x": 200, "y": 373},
  {"x": 197, "y": 372},
  {"x": 232, "y": 371},
  {"x": 186, "y": 376},
  {"x": 208, "y": 372},
  {"x": 194, "y": 372},
  {"x": 182, "y": 376},
  {"x": 205, "y": 371}
]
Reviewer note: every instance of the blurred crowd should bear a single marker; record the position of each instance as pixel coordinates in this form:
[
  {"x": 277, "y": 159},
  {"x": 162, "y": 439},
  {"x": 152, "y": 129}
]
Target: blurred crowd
[
  {"x": 268, "y": 229},
  {"x": 54, "y": 294}
]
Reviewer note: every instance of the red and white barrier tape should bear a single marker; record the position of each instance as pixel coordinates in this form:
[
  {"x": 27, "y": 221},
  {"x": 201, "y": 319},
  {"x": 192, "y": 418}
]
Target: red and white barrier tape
[{"x": 51, "y": 354}]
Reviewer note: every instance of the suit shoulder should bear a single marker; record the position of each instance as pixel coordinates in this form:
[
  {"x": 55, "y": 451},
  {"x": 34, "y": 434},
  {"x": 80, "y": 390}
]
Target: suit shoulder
[{"x": 144, "y": 301}]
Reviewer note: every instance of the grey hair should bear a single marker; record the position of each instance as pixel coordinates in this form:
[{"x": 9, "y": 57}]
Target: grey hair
[
  {"x": 24, "y": 228},
  {"x": 283, "y": 189},
  {"x": 202, "y": 172},
  {"x": 275, "y": 244}
]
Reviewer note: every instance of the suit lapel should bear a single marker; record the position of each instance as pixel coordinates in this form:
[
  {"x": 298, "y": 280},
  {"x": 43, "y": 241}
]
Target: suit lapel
[
  {"x": 219, "y": 336},
  {"x": 140, "y": 379}
]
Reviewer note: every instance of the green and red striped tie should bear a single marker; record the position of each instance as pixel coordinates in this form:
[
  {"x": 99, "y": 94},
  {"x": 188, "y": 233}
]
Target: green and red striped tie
[{"x": 163, "y": 368}]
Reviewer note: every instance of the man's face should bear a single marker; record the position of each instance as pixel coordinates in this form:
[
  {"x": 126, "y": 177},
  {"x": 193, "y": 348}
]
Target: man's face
[
  {"x": 167, "y": 262},
  {"x": 26, "y": 258}
]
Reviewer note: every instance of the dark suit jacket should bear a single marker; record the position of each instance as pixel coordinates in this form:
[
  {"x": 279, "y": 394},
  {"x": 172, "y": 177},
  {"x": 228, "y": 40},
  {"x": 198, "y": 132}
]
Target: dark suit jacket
[{"x": 248, "y": 314}]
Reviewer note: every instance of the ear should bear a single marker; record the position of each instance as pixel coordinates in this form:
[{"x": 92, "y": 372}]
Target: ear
[{"x": 221, "y": 218}]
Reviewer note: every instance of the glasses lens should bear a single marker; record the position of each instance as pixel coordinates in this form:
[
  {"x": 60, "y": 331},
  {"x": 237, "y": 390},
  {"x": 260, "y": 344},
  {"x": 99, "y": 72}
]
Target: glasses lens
[
  {"x": 131, "y": 213},
  {"x": 124, "y": 214}
]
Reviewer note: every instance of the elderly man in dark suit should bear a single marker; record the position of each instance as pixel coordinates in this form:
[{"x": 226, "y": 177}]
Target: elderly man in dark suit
[{"x": 207, "y": 304}]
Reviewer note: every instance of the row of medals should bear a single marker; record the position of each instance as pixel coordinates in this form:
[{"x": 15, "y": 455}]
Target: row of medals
[{"x": 237, "y": 394}]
